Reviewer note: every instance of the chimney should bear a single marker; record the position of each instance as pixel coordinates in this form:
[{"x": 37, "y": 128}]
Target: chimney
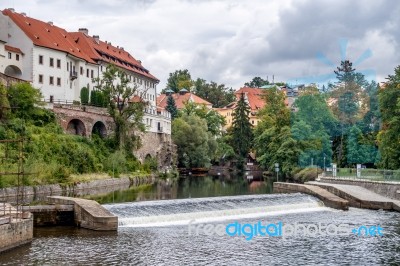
[
  {"x": 12, "y": 10},
  {"x": 50, "y": 23},
  {"x": 84, "y": 31},
  {"x": 23, "y": 14},
  {"x": 96, "y": 38},
  {"x": 122, "y": 48},
  {"x": 139, "y": 61}
]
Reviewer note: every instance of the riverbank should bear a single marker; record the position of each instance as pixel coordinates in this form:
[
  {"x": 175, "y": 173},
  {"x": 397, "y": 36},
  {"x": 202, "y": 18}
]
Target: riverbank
[{"x": 29, "y": 194}]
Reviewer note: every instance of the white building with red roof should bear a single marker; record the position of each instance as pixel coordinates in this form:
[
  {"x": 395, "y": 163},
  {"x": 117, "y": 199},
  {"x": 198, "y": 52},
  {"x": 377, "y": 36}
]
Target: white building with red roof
[
  {"x": 61, "y": 63},
  {"x": 182, "y": 98}
]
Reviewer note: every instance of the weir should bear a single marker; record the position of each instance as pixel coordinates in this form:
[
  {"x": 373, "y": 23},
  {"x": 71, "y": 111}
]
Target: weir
[{"x": 204, "y": 210}]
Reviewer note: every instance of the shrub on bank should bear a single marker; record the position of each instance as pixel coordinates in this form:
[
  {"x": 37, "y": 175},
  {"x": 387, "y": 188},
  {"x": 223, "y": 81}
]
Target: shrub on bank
[
  {"x": 50, "y": 156},
  {"x": 307, "y": 174}
]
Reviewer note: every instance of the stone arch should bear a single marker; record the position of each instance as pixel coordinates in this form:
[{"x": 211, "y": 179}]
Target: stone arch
[
  {"x": 100, "y": 129},
  {"x": 13, "y": 71},
  {"x": 76, "y": 127}
]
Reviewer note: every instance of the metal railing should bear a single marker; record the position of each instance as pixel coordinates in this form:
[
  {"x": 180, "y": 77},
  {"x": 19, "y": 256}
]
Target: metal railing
[{"x": 366, "y": 174}]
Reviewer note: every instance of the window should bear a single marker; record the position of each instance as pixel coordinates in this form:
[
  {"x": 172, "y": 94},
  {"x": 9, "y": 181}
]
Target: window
[
  {"x": 41, "y": 79},
  {"x": 9, "y": 55},
  {"x": 91, "y": 73},
  {"x": 51, "y": 62},
  {"x": 40, "y": 59},
  {"x": 58, "y": 81},
  {"x": 51, "y": 81},
  {"x": 87, "y": 72},
  {"x": 58, "y": 63},
  {"x": 81, "y": 70},
  {"x": 17, "y": 57},
  {"x": 67, "y": 66}
]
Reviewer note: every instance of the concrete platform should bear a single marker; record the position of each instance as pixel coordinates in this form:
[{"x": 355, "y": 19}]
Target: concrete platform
[
  {"x": 359, "y": 197},
  {"x": 51, "y": 215},
  {"x": 88, "y": 213},
  {"x": 329, "y": 199}
]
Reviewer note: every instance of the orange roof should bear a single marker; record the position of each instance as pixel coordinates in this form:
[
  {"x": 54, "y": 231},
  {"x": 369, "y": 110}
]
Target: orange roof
[
  {"x": 77, "y": 44},
  {"x": 13, "y": 49},
  {"x": 103, "y": 51},
  {"x": 254, "y": 96},
  {"x": 46, "y": 34},
  {"x": 180, "y": 100}
]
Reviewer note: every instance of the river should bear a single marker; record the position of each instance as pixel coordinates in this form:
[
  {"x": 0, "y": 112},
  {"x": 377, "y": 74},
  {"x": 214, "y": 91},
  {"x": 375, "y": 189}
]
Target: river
[{"x": 176, "y": 224}]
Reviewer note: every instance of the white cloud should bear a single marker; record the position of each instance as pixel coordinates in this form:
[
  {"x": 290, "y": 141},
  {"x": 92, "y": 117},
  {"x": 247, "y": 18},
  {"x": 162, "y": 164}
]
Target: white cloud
[{"x": 232, "y": 41}]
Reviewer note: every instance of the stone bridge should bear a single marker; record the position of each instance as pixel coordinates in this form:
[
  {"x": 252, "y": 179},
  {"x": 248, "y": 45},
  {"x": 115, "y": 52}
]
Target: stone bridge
[
  {"x": 89, "y": 120},
  {"x": 83, "y": 120}
]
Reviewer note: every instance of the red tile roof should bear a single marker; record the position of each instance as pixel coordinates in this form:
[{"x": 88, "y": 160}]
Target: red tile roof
[
  {"x": 180, "y": 100},
  {"x": 254, "y": 96},
  {"x": 103, "y": 51},
  {"x": 13, "y": 49},
  {"x": 76, "y": 43},
  {"x": 46, "y": 35}
]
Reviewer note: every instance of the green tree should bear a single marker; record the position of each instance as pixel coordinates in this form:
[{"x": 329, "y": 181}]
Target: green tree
[
  {"x": 4, "y": 104},
  {"x": 196, "y": 146},
  {"x": 345, "y": 72},
  {"x": 217, "y": 94},
  {"x": 349, "y": 103},
  {"x": 126, "y": 114},
  {"x": 84, "y": 96},
  {"x": 242, "y": 132},
  {"x": 171, "y": 107},
  {"x": 357, "y": 151},
  {"x": 23, "y": 99},
  {"x": 214, "y": 120},
  {"x": 313, "y": 109},
  {"x": 389, "y": 136},
  {"x": 98, "y": 98},
  {"x": 273, "y": 138},
  {"x": 256, "y": 82},
  {"x": 178, "y": 80}
]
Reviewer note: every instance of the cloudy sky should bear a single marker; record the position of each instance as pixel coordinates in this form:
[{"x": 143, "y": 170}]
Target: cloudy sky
[{"x": 231, "y": 41}]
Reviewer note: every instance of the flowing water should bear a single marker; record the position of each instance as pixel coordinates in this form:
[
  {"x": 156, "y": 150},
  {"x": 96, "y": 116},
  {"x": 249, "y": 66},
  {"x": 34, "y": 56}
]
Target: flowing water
[{"x": 163, "y": 232}]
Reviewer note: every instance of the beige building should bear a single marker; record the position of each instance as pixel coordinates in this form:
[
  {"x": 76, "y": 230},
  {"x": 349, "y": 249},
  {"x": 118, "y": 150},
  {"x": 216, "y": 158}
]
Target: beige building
[{"x": 253, "y": 97}]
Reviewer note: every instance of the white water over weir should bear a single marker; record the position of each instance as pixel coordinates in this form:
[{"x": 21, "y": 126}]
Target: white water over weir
[{"x": 203, "y": 210}]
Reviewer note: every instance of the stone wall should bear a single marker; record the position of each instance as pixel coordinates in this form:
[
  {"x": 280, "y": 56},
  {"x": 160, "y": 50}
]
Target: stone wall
[
  {"x": 8, "y": 80},
  {"x": 39, "y": 193},
  {"x": 159, "y": 146},
  {"x": 387, "y": 189},
  {"x": 16, "y": 233}
]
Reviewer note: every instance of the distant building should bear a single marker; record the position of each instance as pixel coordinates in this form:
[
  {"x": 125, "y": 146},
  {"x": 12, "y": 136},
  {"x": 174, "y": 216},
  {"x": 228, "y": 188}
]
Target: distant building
[
  {"x": 181, "y": 98},
  {"x": 253, "y": 97}
]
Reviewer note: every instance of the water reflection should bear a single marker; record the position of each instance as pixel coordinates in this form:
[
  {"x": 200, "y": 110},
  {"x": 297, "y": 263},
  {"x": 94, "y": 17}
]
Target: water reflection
[{"x": 188, "y": 187}]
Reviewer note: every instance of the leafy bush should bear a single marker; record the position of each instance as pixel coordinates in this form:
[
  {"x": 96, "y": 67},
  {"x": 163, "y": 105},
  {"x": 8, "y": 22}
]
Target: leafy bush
[
  {"x": 307, "y": 174},
  {"x": 150, "y": 164},
  {"x": 84, "y": 96}
]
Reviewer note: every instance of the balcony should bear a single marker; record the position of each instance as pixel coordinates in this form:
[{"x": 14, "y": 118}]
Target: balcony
[{"x": 73, "y": 75}]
